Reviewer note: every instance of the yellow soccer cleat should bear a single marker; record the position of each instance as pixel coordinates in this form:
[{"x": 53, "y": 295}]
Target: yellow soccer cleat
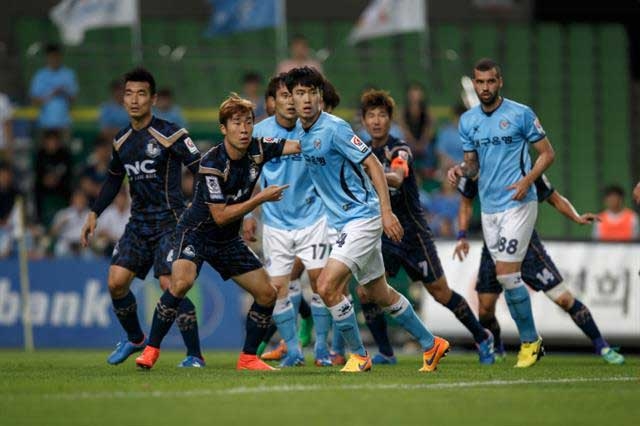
[
  {"x": 530, "y": 353},
  {"x": 277, "y": 354},
  {"x": 431, "y": 357},
  {"x": 357, "y": 364}
]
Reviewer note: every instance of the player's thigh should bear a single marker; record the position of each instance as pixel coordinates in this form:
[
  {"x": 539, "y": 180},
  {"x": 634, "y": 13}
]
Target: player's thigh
[
  {"x": 487, "y": 282},
  {"x": 183, "y": 275},
  {"x": 119, "y": 280},
  {"x": 421, "y": 260},
  {"x": 538, "y": 269},
  {"x": 487, "y": 304},
  {"x": 312, "y": 245},
  {"x": 298, "y": 269},
  {"x": 278, "y": 249},
  {"x": 257, "y": 283},
  {"x": 163, "y": 257},
  {"x": 507, "y": 234}
]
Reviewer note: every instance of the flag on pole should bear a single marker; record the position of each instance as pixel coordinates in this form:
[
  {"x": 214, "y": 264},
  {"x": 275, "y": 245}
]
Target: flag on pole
[
  {"x": 388, "y": 17},
  {"x": 230, "y": 16},
  {"x": 74, "y": 17}
]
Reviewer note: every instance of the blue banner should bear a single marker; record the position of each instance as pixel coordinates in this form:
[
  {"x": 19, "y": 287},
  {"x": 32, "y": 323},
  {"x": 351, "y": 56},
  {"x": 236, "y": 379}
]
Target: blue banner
[
  {"x": 231, "y": 16},
  {"x": 71, "y": 306}
]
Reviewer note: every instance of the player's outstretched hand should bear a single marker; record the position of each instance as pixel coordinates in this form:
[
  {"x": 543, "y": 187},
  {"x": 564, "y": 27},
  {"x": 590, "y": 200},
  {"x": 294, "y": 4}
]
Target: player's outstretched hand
[
  {"x": 521, "y": 188},
  {"x": 462, "y": 249},
  {"x": 392, "y": 228},
  {"x": 273, "y": 192},
  {"x": 88, "y": 228},
  {"x": 454, "y": 174},
  {"x": 249, "y": 227},
  {"x": 636, "y": 193},
  {"x": 587, "y": 218}
]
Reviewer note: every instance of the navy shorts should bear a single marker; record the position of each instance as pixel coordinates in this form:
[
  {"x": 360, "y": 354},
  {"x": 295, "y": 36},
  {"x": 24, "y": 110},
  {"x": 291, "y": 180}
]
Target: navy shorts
[
  {"x": 142, "y": 247},
  {"x": 538, "y": 270},
  {"x": 417, "y": 254},
  {"x": 230, "y": 258}
]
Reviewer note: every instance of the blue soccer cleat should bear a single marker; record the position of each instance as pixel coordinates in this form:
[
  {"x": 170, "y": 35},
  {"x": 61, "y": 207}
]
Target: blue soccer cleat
[
  {"x": 192, "y": 362},
  {"x": 380, "y": 359},
  {"x": 611, "y": 356},
  {"x": 322, "y": 357},
  {"x": 292, "y": 359},
  {"x": 486, "y": 352},
  {"x": 124, "y": 349}
]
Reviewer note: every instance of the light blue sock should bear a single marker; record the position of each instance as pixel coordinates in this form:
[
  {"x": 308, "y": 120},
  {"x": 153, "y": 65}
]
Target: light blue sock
[
  {"x": 519, "y": 305},
  {"x": 337, "y": 342},
  {"x": 295, "y": 294},
  {"x": 345, "y": 319},
  {"x": 322, "y": 324},
  {"x": 403, "y": 312},
  {"x": 285, "y": 319}
]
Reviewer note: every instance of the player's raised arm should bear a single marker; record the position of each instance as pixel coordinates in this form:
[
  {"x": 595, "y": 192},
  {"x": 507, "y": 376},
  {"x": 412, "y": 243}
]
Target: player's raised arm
[
  {"x": 291, "y": 146},
  {"x": 224, "y": 213},
  {"x": 390, "y": 222},
  {"x": 564, "y": 206}
]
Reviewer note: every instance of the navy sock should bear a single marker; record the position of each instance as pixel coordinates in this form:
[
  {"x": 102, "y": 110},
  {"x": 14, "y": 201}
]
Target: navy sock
[
  {"x": 188, "y": 325},
  {"x": 258, "y": 322},
  {"x": 581, "y": 315},
  {"x": 270, "y": 332},
  {"x": 491, "y": 324},
  {"x": 163, "y": 317},
  {"x": 305, "y": 309},
  {"x": 377, "y": 323},
  {"x": 126, "y": 309},
  {"x": 460, "y": 308}
]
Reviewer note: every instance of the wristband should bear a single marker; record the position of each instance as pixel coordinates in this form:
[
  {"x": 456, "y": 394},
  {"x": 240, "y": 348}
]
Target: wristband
[{"x": 462, "y": 235}]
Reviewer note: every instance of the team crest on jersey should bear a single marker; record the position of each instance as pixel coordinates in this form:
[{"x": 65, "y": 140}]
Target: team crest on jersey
[
  {"x": 538, "y": 126},
  {"x": 253, "y": 173},
  {"x": 191, "y": 146},
  {"x": 355, "y": 140},
  {"x": 504, "y": 124},
  {"x": 213, "y": 186},
  {"x": 269, "y": 140},
  {"x": 317, "y": 144},
  {"x": 152, "y": 150},
  {"x": 189, "y": 251}
]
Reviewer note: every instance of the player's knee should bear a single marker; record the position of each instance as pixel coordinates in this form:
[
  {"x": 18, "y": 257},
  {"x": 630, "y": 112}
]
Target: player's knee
[
  {"x": 362, "y": 295},
  {"x": 328, "y": 291},
  {"x": 565, "y": 300},
  {"x": 266, "y": 295},
  {"x": 486, "y": 311},
  {"x": 118, "y": 288},
  {"x": 180, "y": 286},
  {"x": 440, "y": 291}
]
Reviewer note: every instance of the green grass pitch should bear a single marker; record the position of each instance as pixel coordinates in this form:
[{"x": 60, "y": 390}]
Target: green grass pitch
[{"x": 79, "y": 388}]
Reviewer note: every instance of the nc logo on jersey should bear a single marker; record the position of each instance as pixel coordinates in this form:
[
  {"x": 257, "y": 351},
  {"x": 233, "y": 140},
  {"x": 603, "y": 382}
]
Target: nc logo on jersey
[
  {"x": 504, "y": 124},
  {"x": 152, "y": 150},
  {"x": 189, "y": 251},
  {"x": 317, "y": 144},
  {"x": 139, "y": 167},
  {"x": 355, "y": 140}
]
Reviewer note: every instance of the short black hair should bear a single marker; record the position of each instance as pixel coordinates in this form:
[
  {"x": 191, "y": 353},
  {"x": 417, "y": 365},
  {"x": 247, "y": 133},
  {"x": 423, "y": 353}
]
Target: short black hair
[
  {"x": 306, "y": 77},
  {"x": 252, "y": 77},
  {"x": 116, "y": 84},
  {"x": 141, "y": 75},
  {"x": 52, "y": 133},
  {"x": 299, "y": 37},
  {"x": 614, "y": 190},
  {"x": 165, "y": 92},
  {"x": 274, "y": 84},
  {"x": 330, "y": 95},
  {"x": 487, "y": 64},
  {"x": 52, "y": 48}
]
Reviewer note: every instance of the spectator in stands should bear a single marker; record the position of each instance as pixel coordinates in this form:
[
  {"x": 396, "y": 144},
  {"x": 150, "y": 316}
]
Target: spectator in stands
[
  {"x": 616, "y": 222},
  {"x": 67, "y": 226},
  {"x": 8, "y": 195},
  {"x": 447, "y": 144},
  {"x": 6, "y": 128},
  {"x": 53, "y": 176},
  {"x": 113, "y": 221},
  {"x": 251, "y": 89},
  {"x": 416, "y": 124},
  {"x": 300, "y": 56},
  {"x": 442, "y": 210},
  {"x": 95, "y": 173},
  {"x": 166, "y": 109},
  {"x": 53, "y": 89},
  {"x": 113, "y": 116}
]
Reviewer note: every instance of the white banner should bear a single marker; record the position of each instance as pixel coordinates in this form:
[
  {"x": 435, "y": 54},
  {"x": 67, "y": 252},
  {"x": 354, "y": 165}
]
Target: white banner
[
  {"x": 74, "y": 17},
  {"x": 387, "y": 17},
  {"x": 603, "y": 276}
]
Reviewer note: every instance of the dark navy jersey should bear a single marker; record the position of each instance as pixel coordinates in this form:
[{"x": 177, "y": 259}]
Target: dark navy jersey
[
  {"x": 469, "y": 188},
  {"x": 222, "y": 180},
  {"x": 152, "y": 159},
  {"x": 405, "y": 201}
]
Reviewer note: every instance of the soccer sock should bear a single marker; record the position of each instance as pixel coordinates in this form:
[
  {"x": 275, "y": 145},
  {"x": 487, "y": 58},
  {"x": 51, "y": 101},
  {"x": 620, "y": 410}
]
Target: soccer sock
[
  {"x": 377, "y": 323},
  {"x": 491, "y": 324},
  {"x": 126, "y": 309},
  {"x": 270, "y": 332},
  {"x": 258, "y": 320},
  {"x": 345, "y": 318},
  {"x": 163, "y": 317},
  {"x": 188, "y": 325},
  {"x": 322, "y": 323},
  {"x": 581, "y": 315},
  {"x": 295, "y": 295},
  {"x": 305, "y": 309},
  {"x": 337, "y": 341},
  {"x": 403, "y": 312},
  {"x": 519, "y": 304},
  {"x": 285, "y": 318},
  {"x": 460, "y": 308}
]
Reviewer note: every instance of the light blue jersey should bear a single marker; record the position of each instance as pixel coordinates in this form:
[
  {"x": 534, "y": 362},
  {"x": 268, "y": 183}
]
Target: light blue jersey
[
  {"x": 300, "y": 206},
  {"x": 54, "y": 112},
  {"x": 333, "y": 153},
  {"x": 501, "y": 140}
]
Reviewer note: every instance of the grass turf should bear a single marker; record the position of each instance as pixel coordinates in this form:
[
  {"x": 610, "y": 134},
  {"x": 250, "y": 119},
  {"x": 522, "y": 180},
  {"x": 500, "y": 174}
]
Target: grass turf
[{"x": 79, "y": 388}]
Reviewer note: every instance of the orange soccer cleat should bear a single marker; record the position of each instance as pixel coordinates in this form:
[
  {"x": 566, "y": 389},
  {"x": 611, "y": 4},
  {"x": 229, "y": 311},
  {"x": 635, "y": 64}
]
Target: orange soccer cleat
[
  {"x": 148, "y": 357},
  {"x": 252, "y": 362},
  {"x": 277, "y": 354},
  {"x": 433, "y": 355}
]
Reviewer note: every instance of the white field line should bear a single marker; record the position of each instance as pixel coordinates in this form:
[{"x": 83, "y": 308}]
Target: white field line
[{"x": 245, "y": 390}]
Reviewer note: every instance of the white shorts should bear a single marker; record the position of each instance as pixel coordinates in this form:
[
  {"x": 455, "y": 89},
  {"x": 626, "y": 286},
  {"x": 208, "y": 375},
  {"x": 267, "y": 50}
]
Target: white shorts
[
  {"x": 281, "y": 247},
  {"x": 507, "y": 234},
  {"x": 359, "y": 246}
]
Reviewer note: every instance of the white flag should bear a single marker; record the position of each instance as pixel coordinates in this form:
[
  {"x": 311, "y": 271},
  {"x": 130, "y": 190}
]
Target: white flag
[
  {"x": 387, "y": 17},
  {"x": 74, "y": 17}
]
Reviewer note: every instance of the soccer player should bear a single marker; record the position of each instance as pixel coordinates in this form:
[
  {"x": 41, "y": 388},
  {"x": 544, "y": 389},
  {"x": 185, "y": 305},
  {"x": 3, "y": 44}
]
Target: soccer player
[
  {"x": 538, "y": 271},
  {"x": 496, "y": 136},
  {"x": 343, "y": 170},
  {"x": 294, "y": 227},
  {"x": 416, "y": 252},
  {"x": 150, "y": 152},
  {"x": 208, "y": 229}
]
